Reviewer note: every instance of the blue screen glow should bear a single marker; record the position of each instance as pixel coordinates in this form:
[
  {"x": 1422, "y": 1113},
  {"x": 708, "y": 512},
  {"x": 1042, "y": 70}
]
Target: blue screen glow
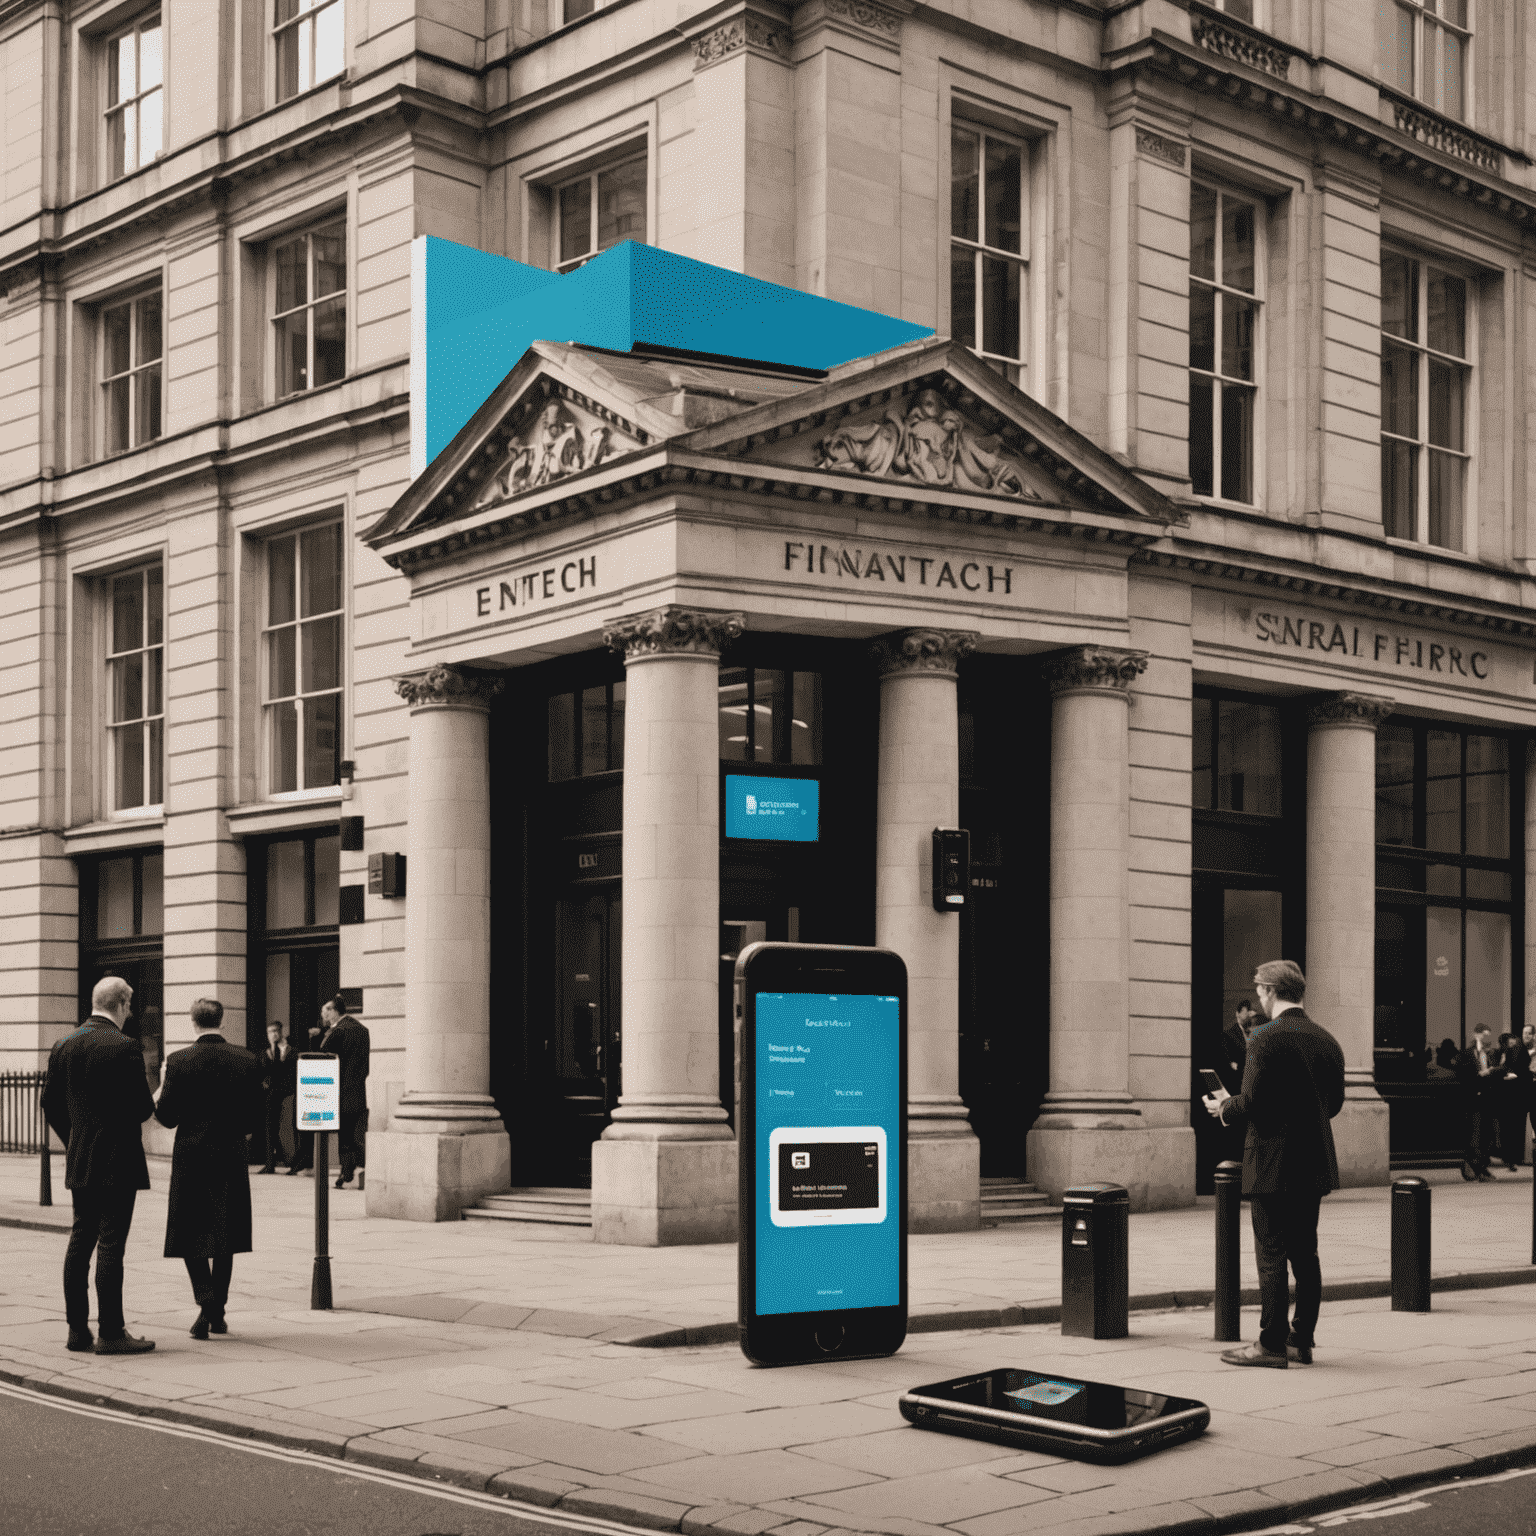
[
  {"x": 775, "y": 810},
  {"x": 829, "y": 1164}
]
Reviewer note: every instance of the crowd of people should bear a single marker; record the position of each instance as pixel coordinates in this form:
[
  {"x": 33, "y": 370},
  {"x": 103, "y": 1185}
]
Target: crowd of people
[{"x": 1495, "y": 1081}]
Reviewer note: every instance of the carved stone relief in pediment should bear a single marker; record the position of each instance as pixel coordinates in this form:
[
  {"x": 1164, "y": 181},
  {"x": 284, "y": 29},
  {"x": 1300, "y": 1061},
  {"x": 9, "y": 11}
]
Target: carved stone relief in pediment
[{"x": 558, "y": 441}]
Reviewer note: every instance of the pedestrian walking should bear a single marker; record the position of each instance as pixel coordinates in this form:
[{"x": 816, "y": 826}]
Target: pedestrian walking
[
  {"x": 1293, "y": 1086},
  {"x": 279, "y": 1081},
  {"x": 95, "y": 1098},
  {"x": 212, "y": 1098},
  {"x": 348, "y": 1039},
  {"x": 1477, "y": 1070},
  {"x": 1514, "y": 1094}
]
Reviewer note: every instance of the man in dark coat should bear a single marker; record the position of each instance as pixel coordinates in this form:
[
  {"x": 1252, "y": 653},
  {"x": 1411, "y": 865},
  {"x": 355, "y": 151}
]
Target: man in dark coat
[
  {"x": 1478, "y": 1071},
  {"x": 279, "y": 1082},
  {"x": 1293, "y": 1086},
  {"x": 212, "y": 1096},
  {"x": 95, "y": 1098},
  {"x": 347, "y": 1038}
]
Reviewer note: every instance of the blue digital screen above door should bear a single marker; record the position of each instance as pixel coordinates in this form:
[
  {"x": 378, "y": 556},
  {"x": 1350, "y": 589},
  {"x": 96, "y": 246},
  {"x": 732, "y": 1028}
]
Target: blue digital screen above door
[{"x": 772, "y": 810}]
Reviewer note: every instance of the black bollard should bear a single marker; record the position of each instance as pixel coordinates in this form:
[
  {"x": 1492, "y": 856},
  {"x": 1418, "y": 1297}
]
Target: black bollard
[
  {"x": 1095, "y": 1262},
  {"x": 320, "y": 1281},
  {"x": 45, "y": 1161},
  {"x": 1410, "y": 1245},
  {"x": 1228, "y": 1295}
]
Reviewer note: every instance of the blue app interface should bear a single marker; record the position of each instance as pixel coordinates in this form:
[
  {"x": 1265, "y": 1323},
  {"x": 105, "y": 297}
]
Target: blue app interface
[
  {"x": 778, "y": 810},
  {"x": 829, "y": 1165}
]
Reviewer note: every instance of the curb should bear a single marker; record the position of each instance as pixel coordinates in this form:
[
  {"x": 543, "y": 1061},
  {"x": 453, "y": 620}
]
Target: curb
[{"x": 1244, "y": 1510}]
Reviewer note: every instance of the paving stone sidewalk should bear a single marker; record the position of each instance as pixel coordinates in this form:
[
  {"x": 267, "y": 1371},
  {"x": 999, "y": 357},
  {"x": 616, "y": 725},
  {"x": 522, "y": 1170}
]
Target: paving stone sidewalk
[{"x": 516, "y": 1384}]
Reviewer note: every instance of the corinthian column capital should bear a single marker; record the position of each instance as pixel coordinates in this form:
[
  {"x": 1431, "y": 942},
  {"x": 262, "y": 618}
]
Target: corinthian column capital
[
  {"x": 933, "y": 651},
  {"x": 1093, "y": 669},
  {"x": 450, "y": 687},
  {"x": 673, "y": 631},
  {"x": 1363, "y": 710}
]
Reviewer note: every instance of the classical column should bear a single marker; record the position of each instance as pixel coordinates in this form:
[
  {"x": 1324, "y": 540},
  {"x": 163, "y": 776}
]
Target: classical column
[
  {"x": 446, "y": 1146},
  {"x": 1341, "y": 916},
  {"x": 919, "y": 789},
  {"x": 665, "y": 1169}
]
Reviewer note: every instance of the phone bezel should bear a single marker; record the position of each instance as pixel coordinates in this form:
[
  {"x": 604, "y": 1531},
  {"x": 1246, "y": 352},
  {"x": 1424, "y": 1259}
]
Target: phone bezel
[{"x": 789, "y": 1338}]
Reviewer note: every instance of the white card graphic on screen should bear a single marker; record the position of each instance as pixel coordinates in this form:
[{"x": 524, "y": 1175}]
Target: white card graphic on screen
[{"x": 827, "y": 1175}]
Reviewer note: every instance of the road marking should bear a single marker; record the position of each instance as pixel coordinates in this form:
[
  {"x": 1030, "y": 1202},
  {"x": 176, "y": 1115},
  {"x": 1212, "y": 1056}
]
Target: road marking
[
  {"x": 1403, "y": 1504},
  {"x": 560, "y": 1519}
]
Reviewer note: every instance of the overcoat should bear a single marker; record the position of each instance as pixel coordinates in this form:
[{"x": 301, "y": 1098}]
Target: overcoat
[
  {"x": 95, "y": 1097},
  {"x": 348, "y": 1039},
  {"x": 212, "y": 1096},
  {"x": 1293, "y": 1086}
]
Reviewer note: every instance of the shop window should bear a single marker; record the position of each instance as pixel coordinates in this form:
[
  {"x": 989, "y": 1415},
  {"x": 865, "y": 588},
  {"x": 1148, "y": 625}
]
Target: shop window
[
  {"x": 989, "y": 247},
  {"x": 600, "y": 209},
  {"x": 1224, "y": 329},
  {"x": 132, "y": 346},
  {"x": 309, "y": 316},
  {"x": 586, "y": 731},
  {"x": 310, "y": 39},
  {"x": 301, "y": 641},
  {"x": 135, "y": 664},
  {"x": 1422, "y": 48},
  {"x": 769, "y": 716},
  {"x": 1426, "y": 379},
  {"x": 303, "y": 878},
  {"x": 135, "y": 104},
  {"x": 1445, "y": 792},
  {"x": 293, "y": 955},
  {"x": 1236, "y": 757},
  {"x": 122, "y": 921}
]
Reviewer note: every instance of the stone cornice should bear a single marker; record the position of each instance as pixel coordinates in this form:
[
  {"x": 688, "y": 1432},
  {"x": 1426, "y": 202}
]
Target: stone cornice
[
  {"x": 1093, "y": 669},
  {"x": 937, "y": 652},
  {"x": 672, "y": 631},
  {"x": 1363, "y": 710},
  {"x": 1221, "y": 34},
  {"x": 449, "y": 687},
  {"x": 749, "y": 29}
]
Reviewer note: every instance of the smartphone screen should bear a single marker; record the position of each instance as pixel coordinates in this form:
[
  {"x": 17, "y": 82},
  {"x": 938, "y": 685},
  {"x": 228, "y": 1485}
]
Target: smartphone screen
[
  {"x": 1213, "y": 1084},
  {"x": 827, "y": 1079}
]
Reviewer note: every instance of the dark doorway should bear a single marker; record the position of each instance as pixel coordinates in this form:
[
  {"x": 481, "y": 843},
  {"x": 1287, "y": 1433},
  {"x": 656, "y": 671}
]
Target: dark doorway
[{"x": 122, "y": 907}]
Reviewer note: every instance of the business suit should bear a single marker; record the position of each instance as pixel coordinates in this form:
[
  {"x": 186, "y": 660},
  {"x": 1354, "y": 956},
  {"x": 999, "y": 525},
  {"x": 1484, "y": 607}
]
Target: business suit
[
  {"x": 95, "y": 1098},
  {"x": 1293, "y": 1086},
  {"x": 279, "y": 1079},
  {"x": 1477, "y": 1070},
  {"x": 212, "y": 1098},
  {"x": 348, "y": 1040}
]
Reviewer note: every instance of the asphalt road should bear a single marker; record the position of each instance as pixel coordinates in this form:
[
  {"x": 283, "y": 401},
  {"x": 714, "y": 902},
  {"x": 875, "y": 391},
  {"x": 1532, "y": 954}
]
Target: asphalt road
[
  {"x": 67, "y": 1471},
  {"x": 1502, "y": 1505}
]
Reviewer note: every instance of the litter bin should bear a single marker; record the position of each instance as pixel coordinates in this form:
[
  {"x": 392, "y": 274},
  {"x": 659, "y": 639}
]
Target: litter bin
[{"x": 1095, "y": 1261}]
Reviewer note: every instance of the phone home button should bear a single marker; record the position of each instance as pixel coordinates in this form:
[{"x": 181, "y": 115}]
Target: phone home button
[{"x": 829, "y": 1338}]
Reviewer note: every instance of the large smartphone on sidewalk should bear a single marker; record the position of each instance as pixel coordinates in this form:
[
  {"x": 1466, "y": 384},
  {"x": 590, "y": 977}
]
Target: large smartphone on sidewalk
[
  {"x": 1060, "y": 1415},
  {"x": 821, "y": 1136}
]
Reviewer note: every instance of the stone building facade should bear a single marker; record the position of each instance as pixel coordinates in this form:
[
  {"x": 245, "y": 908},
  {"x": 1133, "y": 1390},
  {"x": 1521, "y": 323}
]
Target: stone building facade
[{"x": 1233, "y": 308}]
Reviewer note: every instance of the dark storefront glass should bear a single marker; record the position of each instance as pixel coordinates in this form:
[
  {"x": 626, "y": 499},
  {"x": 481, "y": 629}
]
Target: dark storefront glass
[
  {"x": 770, "y": 716},
  {"x": 294, "y": 959},
  {"x": 122, "y": 922},
  {"x": 586, "y": 731}
]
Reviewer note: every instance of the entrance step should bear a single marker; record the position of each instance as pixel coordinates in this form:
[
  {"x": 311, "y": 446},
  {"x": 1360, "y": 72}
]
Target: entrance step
[
  {"x": 1008, "y": 1202},
  {"x": 546, "y": 1207}
]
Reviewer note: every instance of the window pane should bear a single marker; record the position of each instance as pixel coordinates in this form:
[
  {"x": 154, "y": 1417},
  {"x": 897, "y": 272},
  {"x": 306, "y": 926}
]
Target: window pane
[
  {"x": 805, "y": 723},
  {"x": 154, "y": 604},
  {"x": 322, "y": 741},
  {"x": 1399, "y": 296},
  {"x": 1443, "y": 880},
  {"x": 1005, "y": 170},
  {"x": 1442, "y": 805},
  {"x": 1394, "y": 41},
  {"x": 306, "y": 34},
  {"x": 117, "y": 148},
  {"x": 153, "y": 670},
  {"x": 116, "y": 328},
  {"x": 151, "y": 126},
  {"x": 616, "y": 729},
  {"x": 1248, "y": 753},
  {"x": 320, "y": 565},
  {"x": 291, "y": 344},
  {"x": 292, "y": 274},
  {"x": 1242, "y": 9},
  {"x": 1238, "y": 321},
  {"x": 114, "y": 899},
  {"x": 1202, "y": 327},
  {"x": 1447, "y": 478},
  {"x": 1442, "y": 974},
  {"x": 330, "y": 248},
  {"x": 1000, "y": 306},
  {"x": 1201, "y": 437},
  {"x": 1399, "y": 490},
  {"x": 770, "y": 716},
  {"x": 287, "y": 63},
  {"x": 327, "y": 879},
  {"x": 562, "y": 737},
  {"x": 576, "y": 9},
  {"x": 283, "y": 768},
  {"x": 128, "y": 766},
  {"x": 1487, "y": 884},
  {"x": 964, "y": 184},
  {"x": 1202, "y": 232},
  {"x": 1399, "y": 390},
  {"x": 733, "y": 712},
  {"x": 128, "y": 612},
  {"x": 1447, "y": 302},
  {"x": 1200, "y": 754},
  {"x": 1488, "y": 971},
  {"x": 1236, "y": 442},
  {"x": 120, "y": 72},
  {"x": 281, "y": 668},
  {"x": 621, "y": 204},
  {"x": 330, "y": 341},
  {"x": 1237, "y": 237},
  {"x": 156, "y": 763},
  {"x": 1453, "y": 11},
  {"x": 153, "y": 903},
  {"x": 962, "y": 294},
  {"x": 149, "y": 57},
  {"x": 1451, "y": 98},
  {"x": 576, "y": 219},
  {"x": 1488, "y": 796},
  {"x": 1394, "y": 785},
  {"x": 117, "y": 413},
  {"x": 1447, "y": 404},
  {"x": 285, "y": 884},
  {"x": 329, "y": 39},
  {"x": 280, "y": 573},
  {"x": 146, "y": 406},
  {"x": 321, "y": 654},
  {"x": 594, "y": 730},
  {"x": 149, "y": 343}
]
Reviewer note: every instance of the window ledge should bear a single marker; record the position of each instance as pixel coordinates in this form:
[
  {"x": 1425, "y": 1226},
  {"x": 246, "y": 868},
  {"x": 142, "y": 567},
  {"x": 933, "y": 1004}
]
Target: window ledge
[
  {"x": 310, "y": 808},
  {"x": 104, "y": 836},
  {"x": 1434, "y": 551}
]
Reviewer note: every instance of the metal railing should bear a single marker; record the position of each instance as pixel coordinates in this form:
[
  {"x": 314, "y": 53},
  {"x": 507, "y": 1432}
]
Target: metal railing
[{"x": 21, "y": 1115}]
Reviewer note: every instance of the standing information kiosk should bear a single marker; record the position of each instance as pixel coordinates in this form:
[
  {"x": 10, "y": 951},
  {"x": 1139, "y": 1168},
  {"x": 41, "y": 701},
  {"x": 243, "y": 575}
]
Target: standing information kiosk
[{"x": 317, "y": 1108}]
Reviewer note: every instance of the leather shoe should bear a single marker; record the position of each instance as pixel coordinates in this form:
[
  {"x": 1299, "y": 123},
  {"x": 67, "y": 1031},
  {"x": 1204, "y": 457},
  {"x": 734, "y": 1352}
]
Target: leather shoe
[
  {"x": 294, "y": 1170},
  {"x": 341, "y": 1183},
  {"x": 81, "y": 1341},
  {"x": 1468, "y": 1172},
  {"x": 124, "y": 1345},
  {"x": 266, "y": 1170},
  {"x": 1298, "y": 1354},
  {"x": 1484, "y": 1177},
  {"x": 217, "y": 1325},
  {"x": 1254, "y": 1354},
  {"x": 199, "y": 1328}
]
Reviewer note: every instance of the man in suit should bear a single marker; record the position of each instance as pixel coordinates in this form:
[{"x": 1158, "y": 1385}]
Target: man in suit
[
  {"x": 278, "y": 1080},
  {"x": 95, "y": 1097},
  {"x": 1477, "y": 1070},
  {"x": 1293, "y": 1086},
  {"x": 347, "y": 1038},
  {"x": 212, "y": 1096}
]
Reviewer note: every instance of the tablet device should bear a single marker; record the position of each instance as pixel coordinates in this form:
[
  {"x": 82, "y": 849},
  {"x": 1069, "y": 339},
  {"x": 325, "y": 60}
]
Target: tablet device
[{"x": 1059, "y": 1415}]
